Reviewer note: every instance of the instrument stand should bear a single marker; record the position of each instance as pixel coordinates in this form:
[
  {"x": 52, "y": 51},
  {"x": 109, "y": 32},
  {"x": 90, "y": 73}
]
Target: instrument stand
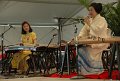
[
  {"x": 44, "y": 53},
  {"x": 115, "y": 50},
  {"x": 66, "y": 54},
  {"x": 48, "y": 44},
  {"x": 2, "y": 46},
  {"x": 76, "y": 49},
  {"x": 59, "y": 19},
  {"x": 59, "y": 62}
]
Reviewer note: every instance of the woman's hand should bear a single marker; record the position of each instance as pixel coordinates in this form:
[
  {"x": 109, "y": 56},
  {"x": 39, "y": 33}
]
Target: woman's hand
[
  {"x": 21, "y": 44},
  {"x": 87, "y": 20},
  {"x": 36, "y": 45},
  {"x": 74, "y": 39},
  {"x": 71, "y": 41}
]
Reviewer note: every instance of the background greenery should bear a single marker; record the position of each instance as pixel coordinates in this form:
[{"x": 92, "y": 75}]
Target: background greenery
[{"x": 111, "y": 12}]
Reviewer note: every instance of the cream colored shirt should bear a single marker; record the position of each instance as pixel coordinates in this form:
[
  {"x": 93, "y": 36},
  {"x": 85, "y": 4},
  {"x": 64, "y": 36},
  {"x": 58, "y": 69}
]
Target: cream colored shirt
[{"x": 98, "y": 28}]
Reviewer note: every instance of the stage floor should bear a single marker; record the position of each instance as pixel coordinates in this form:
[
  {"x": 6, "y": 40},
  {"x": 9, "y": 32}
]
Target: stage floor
[{"x": 50, "y": 79}]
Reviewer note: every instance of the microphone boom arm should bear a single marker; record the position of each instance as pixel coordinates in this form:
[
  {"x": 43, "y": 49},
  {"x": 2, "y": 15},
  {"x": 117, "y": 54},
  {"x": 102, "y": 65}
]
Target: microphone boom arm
[{"x": 77, "y": 19}]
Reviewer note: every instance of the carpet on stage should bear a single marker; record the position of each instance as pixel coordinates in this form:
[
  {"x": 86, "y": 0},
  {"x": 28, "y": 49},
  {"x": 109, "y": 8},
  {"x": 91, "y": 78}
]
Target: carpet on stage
[{"x": 104, "y": 75}]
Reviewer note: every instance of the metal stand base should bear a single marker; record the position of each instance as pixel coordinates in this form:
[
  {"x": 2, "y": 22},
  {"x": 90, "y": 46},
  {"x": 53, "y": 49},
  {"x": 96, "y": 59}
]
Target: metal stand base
[{"x": 78, "y": 77}]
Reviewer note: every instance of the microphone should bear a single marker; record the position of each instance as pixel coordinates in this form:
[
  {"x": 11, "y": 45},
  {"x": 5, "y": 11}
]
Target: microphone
[
  {"x": 54, "y": 34},
  {"x": 75, "y": 30},
  {"x": 77, "y": 19},
  {"x": 11, "y": 26},
  {"x": 59, "y": 18}
]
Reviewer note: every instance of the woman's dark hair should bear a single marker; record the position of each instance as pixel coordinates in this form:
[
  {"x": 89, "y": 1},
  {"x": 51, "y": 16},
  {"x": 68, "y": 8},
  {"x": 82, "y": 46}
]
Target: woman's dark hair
[
  {"x": 97, "y": 7},
  {"x": 23, "y": 31}
]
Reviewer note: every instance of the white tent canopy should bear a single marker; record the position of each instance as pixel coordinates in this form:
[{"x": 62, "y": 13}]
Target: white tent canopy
[{"x": 38, "y": 12}]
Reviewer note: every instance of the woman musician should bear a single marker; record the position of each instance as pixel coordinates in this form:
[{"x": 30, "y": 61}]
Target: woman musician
[
  {"x": 28, "y": 38},
  {"x": 89, "y": 57}
]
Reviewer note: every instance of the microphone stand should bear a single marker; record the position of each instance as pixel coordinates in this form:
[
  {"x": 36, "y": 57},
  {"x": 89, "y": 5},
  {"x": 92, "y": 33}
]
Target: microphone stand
[
  {"x": 44, "y": 52},
  {"x": 76, "y": 49},
  {"x": 59, "y": 42},
  {"x": 49, "y": 43},
  {"x": 59, "y": 34},
  {"x": 2, "y": 45}
]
